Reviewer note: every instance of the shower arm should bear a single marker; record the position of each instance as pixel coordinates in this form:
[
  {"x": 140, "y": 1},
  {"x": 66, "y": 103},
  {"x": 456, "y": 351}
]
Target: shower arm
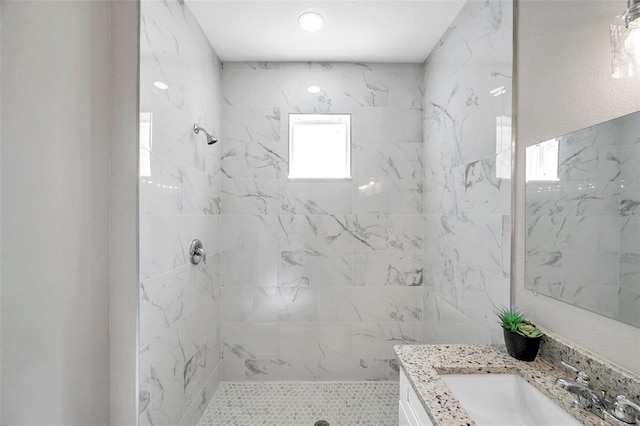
[{"x": 210, "y": 138}]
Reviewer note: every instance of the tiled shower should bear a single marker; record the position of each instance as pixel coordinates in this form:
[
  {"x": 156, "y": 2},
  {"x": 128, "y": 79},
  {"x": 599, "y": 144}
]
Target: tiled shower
[{"x": 316, "y": 280}]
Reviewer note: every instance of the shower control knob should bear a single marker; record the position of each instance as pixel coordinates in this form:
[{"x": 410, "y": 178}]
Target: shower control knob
[{"x": 197, "y": 252}]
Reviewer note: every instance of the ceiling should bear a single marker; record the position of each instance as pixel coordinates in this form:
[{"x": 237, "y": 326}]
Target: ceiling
[{"x": 353, "y": 31}]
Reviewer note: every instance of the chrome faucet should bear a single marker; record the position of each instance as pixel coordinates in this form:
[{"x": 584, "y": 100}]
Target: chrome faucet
[
  {"x": 626, "y": 410},
  {"x": 621, "y": 412},
  {"x": 587, "y": 398}
]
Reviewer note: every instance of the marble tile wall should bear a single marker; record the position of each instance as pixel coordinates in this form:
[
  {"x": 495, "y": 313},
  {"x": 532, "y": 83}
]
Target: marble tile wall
[
  {"x": 583, "y": 230},
  {"x": 320, "y": 278},
  {"x": 467, "y": 110},
  {"x": 180, "y": 311}
]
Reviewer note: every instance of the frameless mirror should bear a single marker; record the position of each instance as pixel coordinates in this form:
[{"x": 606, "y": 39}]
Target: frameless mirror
[{"x": 583, "y": 218}]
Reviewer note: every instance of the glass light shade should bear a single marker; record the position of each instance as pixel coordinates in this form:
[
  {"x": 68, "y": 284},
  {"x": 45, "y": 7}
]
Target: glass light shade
[{"x": 625, "y": 43}]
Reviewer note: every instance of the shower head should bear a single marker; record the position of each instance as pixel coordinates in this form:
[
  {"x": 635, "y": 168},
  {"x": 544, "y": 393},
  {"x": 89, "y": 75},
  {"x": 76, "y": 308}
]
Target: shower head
[{"x": 210, "y": 138}]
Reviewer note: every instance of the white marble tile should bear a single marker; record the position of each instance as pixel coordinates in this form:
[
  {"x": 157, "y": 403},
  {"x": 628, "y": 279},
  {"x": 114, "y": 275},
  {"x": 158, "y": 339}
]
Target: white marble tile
[
  {"x": 630, "y": 271},
  {"x": 233, "y": 369},
  {"x": 279, "y": 369},
  {"x": 590, "y": 268},
  {"x": 543, "y": 271},
  {"x": 442, "y": 193},
  {"x": 250, "y": 341},
  {"x": 388, "y": 268},
  {"x": 316, "y": 197},
  {"x": 447, "y": 324},
  {"x": 484, "y": 191},
  {"x": 311, "y": 225},
  {"x": 233, "y": 235},
  {"x": 373, "y": 126},
  {"x": 629, "y": 234},
  {"x": 173, "y": 188},
  {"x": 281, "y": 304},
  {"x": 370, "y": 232},
  {"x": 407, "y": 196},
  {"x": 466, "y": 206},
  {"x": 358, "y": 369},
  {"x": 165, "y": 240},
  {"x": 249, "y": 267},
  {"x": 389, "y": 160},
  {"x": 161, "y": 303},
  {"x": 232, "y": 160},
  {"x": 145, "y": 385},
  {"x": 381, "y": 304},
  {"x": 480, "y": 294},
  {"x": 249, "y": 123},
  {"x": 255, "y": 160},
  {"x": 371, "y": 195},
  {"x": 176, "y": 52},
  {"x": 160, "y": 245},
  {"x": 195, "y": 375},
  {"x": 375, "y": 340},
  {"x": 576, "y": 161},
  {"x": 315, "y": 268},
  {"x": 180, "y": 201},
  {"x": 590, "y": 198},
  {"x": 249, "y": 196},
  {"x": 285, "y": 232},
  {"x": 168, "y": 408},
  {"x": 476, "y": 239},
  {"x": 313, "y": 341},
  {"x": 198, "y": 407},
  {"x": 550, "y": 233},
  {"x": 628, "y": 305},
  {"x": 607, "y": 229},
  {"x": 392, "y": 196},
  {"x": 344, "y": 232},
  {"x": 234, "y": 306}
]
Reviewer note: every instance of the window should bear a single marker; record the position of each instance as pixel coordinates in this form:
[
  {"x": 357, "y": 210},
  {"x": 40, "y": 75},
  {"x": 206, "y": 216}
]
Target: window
[
  {"x": 320, "y": 146},
  {"x": 542, "y": 161}
]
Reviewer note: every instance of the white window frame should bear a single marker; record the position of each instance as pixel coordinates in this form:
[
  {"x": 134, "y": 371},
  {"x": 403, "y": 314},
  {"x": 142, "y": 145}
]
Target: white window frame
[
  {"x": 542, "y": 161},
  {"x": 297, "y": 119}
]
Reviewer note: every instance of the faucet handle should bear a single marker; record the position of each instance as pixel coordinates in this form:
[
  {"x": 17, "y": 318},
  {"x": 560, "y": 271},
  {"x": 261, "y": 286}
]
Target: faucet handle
[
  {"x": 626, "y": 410},
  {"x": 581, "y": 376}
]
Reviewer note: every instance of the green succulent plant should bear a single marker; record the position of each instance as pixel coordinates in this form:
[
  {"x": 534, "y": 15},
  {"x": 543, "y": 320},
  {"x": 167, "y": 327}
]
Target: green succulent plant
[{"x": 513, "y": 320}]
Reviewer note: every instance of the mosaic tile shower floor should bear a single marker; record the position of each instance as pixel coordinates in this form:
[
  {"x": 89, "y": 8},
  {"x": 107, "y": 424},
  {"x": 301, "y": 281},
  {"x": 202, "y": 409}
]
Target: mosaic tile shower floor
[{"x": 303, "y": 403}]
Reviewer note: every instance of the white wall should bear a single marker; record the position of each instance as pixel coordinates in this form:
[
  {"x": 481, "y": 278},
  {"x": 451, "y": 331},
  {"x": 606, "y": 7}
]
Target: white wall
[
  {"x": 55, "y": 213},
  {"x": 0, "y": 205},
  {"x": 565, "y": 84},
  {"x": 123, "y": 287}
]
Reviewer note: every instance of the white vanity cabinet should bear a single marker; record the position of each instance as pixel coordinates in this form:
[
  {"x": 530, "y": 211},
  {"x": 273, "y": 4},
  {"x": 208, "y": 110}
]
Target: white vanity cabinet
[{"x": 412, "y": 413}]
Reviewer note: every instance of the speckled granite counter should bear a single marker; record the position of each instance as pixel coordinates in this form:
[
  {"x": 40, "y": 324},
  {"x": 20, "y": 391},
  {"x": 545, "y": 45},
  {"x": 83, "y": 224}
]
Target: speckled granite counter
[{"x": 424, "y": 363}]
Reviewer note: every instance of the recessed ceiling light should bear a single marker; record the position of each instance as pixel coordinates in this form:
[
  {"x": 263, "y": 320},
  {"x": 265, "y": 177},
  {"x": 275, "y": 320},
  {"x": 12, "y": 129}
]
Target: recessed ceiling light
[
  {"x": 160, "y": 85},
  {"x": 311, "y": 21},
  {"x": 313, "y": 89}
]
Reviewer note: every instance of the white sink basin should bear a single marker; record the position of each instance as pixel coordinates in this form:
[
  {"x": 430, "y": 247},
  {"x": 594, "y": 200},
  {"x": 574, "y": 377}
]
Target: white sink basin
[{"x": 505, "y": 399}]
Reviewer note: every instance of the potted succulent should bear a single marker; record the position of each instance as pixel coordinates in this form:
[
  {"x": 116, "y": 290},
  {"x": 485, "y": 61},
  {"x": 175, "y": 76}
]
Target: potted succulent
[{"x": 521, "y": 337}]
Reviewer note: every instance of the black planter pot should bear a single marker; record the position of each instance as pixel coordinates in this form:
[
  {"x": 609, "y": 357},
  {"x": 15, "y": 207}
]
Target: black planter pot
[{"x": 521, "y": 347}]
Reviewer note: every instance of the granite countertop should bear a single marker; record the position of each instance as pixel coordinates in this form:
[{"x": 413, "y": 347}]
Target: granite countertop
[{"x": 424, "y": 363}]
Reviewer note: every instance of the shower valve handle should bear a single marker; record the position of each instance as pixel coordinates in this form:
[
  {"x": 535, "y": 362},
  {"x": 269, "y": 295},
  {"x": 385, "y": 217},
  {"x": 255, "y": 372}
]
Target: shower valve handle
[{"x": 197, "y": 252}]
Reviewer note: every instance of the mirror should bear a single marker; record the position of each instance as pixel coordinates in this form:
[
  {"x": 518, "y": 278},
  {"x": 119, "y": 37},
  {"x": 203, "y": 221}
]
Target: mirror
[{"x": 583, "y": 218}]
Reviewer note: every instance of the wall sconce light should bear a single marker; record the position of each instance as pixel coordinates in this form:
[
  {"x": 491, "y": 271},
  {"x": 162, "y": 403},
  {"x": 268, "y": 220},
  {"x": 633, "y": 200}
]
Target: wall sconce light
[{"x": 625, "y": 42}]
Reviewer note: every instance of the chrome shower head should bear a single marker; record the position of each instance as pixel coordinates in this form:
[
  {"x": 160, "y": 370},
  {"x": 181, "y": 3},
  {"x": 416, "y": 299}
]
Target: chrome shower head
[{"x": 210, "y": 138}]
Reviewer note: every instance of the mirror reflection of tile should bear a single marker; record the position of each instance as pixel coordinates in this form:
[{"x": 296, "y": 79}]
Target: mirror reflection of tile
[{"x": 583, "y": 221}]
